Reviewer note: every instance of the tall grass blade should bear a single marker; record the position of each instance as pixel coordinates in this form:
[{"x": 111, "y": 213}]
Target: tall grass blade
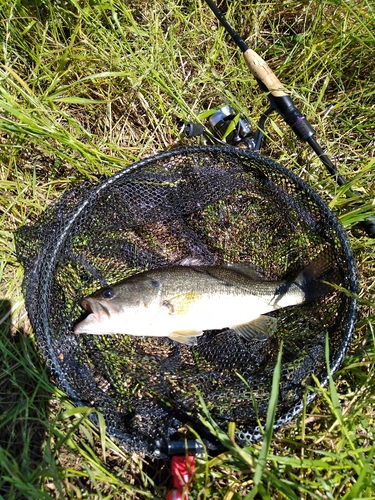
[{"x": 270, "y": 420}]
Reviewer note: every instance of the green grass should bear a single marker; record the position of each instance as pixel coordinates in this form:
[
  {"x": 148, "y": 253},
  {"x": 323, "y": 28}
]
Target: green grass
[{"x": 86, "y": 88}]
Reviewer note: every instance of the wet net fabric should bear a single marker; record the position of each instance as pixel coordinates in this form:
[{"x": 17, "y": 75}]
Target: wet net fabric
[{"x": 215, "y": 205}]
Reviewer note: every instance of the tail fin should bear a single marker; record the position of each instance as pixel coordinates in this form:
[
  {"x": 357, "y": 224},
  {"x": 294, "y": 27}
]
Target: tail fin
[{"x": 315, "y": 278}]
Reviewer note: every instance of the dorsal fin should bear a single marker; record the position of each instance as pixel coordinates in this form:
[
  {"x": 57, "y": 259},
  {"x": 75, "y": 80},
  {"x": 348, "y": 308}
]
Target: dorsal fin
[{"x": 247, "y": 270}]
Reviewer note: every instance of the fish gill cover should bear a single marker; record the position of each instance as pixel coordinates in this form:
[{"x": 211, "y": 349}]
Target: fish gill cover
[{"x": 210, "y": 204}]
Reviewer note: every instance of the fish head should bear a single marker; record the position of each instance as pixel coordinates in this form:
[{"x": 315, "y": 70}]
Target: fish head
[
  {"x": 114, "y": 309},
  {"x": 108, "y": 307},
  {"x": 112, "y": 300}
]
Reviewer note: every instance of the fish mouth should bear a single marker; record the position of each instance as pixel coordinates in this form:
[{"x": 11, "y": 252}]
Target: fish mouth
[
  {"x": 97, "y": 315},
  {"x": 87, "y": 305},
  {"x": 96, "y": 309}
]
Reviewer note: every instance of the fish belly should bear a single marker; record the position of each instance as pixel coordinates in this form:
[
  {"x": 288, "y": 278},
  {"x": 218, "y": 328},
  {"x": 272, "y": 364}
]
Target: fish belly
[{"x": 212, "y": 313}]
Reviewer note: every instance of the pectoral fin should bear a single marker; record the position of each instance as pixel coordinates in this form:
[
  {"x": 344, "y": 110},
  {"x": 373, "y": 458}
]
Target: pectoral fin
[
  {"x": 188, "y": 337},
  {"x": 180, "y": 304},
  {"x": 259, "y": 329}
]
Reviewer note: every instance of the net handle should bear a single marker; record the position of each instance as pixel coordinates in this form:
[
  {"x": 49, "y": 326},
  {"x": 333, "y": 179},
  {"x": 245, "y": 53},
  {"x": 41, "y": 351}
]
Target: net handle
[{"x": 182, "y": 468}]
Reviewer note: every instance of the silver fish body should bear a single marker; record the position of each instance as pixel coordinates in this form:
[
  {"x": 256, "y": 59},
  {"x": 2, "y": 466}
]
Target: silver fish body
[{"x": 181, "y": 302}]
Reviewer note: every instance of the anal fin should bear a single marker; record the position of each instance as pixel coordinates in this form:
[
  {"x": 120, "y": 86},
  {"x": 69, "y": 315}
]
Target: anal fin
[{"x": 259, "y": 329}]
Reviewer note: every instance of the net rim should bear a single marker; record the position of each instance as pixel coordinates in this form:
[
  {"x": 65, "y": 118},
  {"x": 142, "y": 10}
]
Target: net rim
[{"x": 50, "y": 253}]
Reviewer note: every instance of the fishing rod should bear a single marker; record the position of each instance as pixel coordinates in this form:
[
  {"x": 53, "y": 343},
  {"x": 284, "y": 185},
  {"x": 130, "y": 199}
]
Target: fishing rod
[{"x": 282, "y": 103}]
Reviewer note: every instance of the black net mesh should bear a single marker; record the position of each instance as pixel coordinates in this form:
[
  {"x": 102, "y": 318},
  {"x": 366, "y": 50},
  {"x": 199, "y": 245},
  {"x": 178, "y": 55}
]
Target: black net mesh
[{"x": 217, "y": 205}]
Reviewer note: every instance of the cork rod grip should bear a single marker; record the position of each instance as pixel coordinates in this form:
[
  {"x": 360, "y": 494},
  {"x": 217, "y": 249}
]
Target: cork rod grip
[{"x": 264, "y": 73}]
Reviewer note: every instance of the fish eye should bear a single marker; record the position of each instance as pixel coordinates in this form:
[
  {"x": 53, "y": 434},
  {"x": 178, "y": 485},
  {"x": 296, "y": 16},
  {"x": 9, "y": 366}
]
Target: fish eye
[
  {"x": 155, "y": 284},
  {"x": 108, "y": 293}
]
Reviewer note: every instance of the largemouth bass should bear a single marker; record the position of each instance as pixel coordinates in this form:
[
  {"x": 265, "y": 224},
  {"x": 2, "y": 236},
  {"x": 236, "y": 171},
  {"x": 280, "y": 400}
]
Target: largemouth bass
[{"x": 180, "y": 302}]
